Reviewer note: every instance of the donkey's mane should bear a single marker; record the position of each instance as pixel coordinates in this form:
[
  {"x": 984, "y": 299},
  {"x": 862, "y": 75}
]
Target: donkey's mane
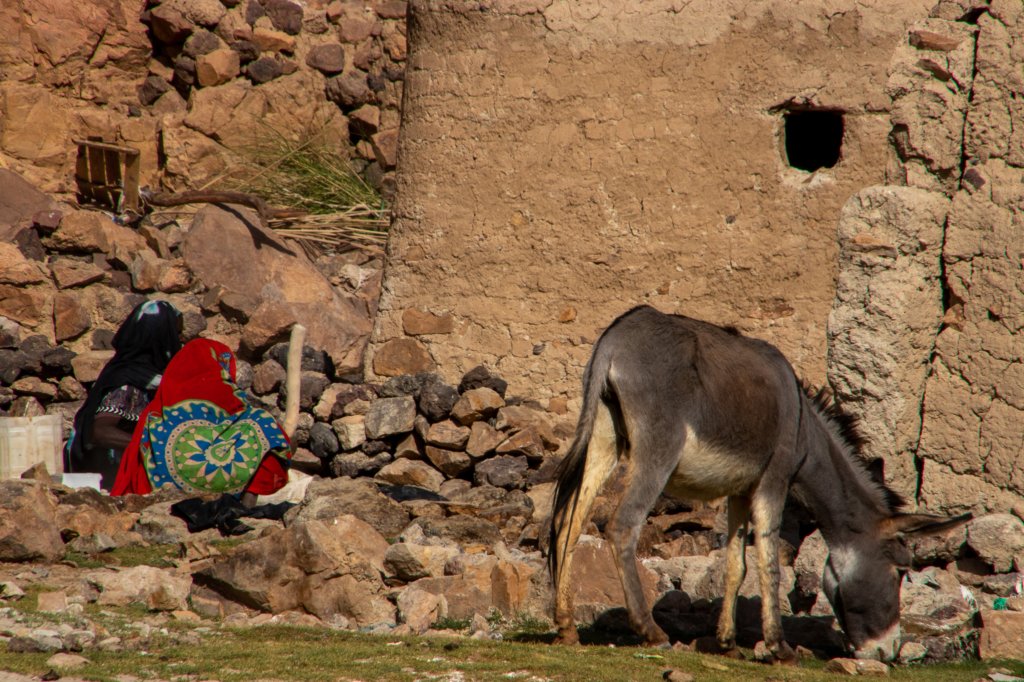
[{"x": 847, "y": 427}]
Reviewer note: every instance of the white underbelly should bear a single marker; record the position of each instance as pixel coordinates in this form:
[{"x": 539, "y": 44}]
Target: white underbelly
[{"x": 706, "y": 471}]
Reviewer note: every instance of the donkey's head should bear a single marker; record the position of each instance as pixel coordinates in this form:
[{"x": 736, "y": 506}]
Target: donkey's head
[{"x": 862, "y": 581}]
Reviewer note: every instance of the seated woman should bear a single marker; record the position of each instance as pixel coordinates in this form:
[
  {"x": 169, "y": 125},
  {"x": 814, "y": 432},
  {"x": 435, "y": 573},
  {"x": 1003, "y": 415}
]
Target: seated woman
[
  {"x": 103, "y": 426},
  {"x": 200, "y": 435}
]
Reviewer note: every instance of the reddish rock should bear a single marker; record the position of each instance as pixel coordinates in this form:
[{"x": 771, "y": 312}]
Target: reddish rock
[
  {"x": 447, "y": 434},
  {"x": 26, "y": 305},
  {"x": 483, "y": 439},
  {"x": 244, "y": 258},
  {"x": 270, "y": 40},
  {"x": 88, "y": 365},
  {"x": 16, "y": 269},
  {"x": 354, "y": 29},
  {"x": 19, "y": 201},
  {"x": 1002, "y": 635},
  {"x": 412, "y": 472},
  {"x": 391, "y": 9},
  {"x": 35, "y": 387},
  {"x": 286, "y": 15},
  {"x": 91, "y": 231},
  {"x": 328, "y": 58},
  {"x": 69, "y": 273},
  {"x": 219, "y": 66},
  {"x": 349, "y": 90},
  {"x": 267, "y": 377},
  {"x": 28, "y": 528},
  {"x": 450, "y": 462},
  {"x": 396, "y": 46},
  {"x": 385, "y": 147},
  {"x": 70, "y": 317},
  {"x": 525, "y": 442},
  {"x": 476, "y": 404},
  {"x": 416, "y": 322},
  {"x": 169, "y": 25},
  {"x": 365, "y": 121},
  {"x": 402, "y": 356}
]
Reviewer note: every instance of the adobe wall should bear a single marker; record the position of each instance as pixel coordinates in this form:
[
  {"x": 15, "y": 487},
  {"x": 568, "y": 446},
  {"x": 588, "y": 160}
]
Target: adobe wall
[
  {"x": 612, "y": 154},
  {"x": 925, "y": 334},
  {"x": 611, "y": 157}
]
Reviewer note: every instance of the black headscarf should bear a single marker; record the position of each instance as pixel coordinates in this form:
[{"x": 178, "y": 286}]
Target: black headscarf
[{"x": 144, "y": 344}]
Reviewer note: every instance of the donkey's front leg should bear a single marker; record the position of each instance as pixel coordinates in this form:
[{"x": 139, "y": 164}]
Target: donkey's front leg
[
  {"x": 767, "y": 517},
  {"x": 735, "y": 570}
]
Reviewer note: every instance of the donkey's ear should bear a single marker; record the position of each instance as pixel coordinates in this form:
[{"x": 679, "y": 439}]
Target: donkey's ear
[{"x": 921, "y": 524}]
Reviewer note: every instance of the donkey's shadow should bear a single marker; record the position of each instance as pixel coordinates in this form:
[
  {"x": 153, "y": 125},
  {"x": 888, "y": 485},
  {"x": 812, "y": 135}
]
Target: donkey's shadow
[{"x": 688, "y": 622}]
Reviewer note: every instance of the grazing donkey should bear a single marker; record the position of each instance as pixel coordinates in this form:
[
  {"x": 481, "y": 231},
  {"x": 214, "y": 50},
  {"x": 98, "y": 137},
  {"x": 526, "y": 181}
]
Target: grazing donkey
[{"x": 702, "y": 412}]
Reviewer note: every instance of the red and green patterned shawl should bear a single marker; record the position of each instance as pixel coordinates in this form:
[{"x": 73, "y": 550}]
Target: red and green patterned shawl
[{"x": 200, "y": 435}]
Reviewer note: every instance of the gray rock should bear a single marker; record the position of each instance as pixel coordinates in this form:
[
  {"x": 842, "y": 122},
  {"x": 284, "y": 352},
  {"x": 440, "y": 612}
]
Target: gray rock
[
  {"x": 390, "y": 416},
  {"x": 481, "y": 376},
  {"x": 436, "y": 400},
  {"x": 350, "y": 90},
  {"x": 322, "y": 441},
  {"x": 999, "y": 541},
  {"x": 503, "y": 471}
]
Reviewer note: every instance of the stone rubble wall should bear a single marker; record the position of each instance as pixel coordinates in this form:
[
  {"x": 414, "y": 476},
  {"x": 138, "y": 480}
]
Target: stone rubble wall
[
  {"x": 196, "y": 85},
  {"x": 925, "y": 337}
]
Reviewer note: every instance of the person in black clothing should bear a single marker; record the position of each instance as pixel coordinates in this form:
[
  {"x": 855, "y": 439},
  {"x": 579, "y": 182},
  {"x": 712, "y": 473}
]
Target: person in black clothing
[{"x": 103, "y": 426}]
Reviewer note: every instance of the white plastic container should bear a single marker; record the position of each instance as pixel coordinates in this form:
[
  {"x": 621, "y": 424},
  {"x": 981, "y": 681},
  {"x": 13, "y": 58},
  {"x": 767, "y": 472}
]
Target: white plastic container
[
  {"x": 82, "y": 480},
  {"x": 26, "y": 441}
]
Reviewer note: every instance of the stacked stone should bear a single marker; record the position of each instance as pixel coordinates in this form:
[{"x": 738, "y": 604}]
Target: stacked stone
[
  {"x": 355, "y": 51},
  {"x": 415, "y": 430}
]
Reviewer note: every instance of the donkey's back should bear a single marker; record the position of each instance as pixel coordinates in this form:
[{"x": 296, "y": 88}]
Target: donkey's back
[{"x": 705, "y": 396}]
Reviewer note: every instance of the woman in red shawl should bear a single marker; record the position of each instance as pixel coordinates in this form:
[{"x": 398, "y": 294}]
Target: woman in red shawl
[{"x": 200, "y": 435}]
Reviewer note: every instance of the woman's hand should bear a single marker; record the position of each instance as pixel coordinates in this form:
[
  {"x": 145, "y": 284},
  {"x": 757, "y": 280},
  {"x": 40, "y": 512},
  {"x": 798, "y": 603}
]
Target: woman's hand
[{"x": 107, "y": 432}]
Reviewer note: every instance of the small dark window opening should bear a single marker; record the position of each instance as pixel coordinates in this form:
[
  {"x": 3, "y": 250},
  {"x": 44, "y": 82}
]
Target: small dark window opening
[{"x": 814, "y": 139}]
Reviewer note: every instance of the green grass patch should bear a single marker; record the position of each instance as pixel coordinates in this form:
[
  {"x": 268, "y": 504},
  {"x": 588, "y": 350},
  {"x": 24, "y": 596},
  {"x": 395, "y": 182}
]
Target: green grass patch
[
  {"x": 448, "y": 623},
  {"x": 161, "y": 556},
  {"x": 310, "y": 655}
]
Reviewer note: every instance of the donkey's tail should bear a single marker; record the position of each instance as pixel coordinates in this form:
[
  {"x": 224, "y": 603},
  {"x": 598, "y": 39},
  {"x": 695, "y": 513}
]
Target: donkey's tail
[{"x": 588, "y": 463}]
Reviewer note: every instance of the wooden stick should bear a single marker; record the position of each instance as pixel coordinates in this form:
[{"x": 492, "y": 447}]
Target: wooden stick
[
  {"x": 164, "y": 199},
  {"x": 293, "y": 379}
]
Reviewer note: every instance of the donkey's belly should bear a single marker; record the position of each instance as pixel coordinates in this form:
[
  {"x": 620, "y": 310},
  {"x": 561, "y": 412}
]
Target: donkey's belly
[{"x": 706, "y": 471}]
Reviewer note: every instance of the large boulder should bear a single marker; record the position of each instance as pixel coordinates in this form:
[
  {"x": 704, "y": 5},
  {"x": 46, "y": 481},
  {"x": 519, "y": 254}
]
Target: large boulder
[
  {"x": 28, "y": 523},
  {"x": 19, "y": 200},
  {"x": 327, "y": 500},
  {"x": 329, "y": 570},
  {"x": 279, "y": 284},
  {"x": 158, "y": 589}
]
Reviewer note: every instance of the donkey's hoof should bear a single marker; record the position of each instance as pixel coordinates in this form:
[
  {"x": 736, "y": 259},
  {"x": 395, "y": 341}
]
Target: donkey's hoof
[
  {"x": 567, "y": 637},
  {"x": 659, "y": 643},
  {"x": 785, "y": 655},
  {"x": 711, "y": 645}
]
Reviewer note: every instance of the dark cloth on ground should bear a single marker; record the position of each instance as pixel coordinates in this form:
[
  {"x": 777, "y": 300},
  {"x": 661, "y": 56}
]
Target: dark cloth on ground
[{"x": 224, "y": 513}]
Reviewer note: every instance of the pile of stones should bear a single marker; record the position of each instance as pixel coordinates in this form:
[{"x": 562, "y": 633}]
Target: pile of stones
[{"x": 357, "y": 50}]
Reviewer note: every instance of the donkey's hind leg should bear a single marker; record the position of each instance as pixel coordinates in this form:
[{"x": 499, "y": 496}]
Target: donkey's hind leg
[
  {"x": 735, "y": 570},
  {"x": 601, "y": 457},
  {"x": 642, "y": 484}
]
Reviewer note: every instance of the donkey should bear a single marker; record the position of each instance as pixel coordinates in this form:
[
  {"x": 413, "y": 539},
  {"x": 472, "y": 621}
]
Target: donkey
[{"x": 702, "y": 412}]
